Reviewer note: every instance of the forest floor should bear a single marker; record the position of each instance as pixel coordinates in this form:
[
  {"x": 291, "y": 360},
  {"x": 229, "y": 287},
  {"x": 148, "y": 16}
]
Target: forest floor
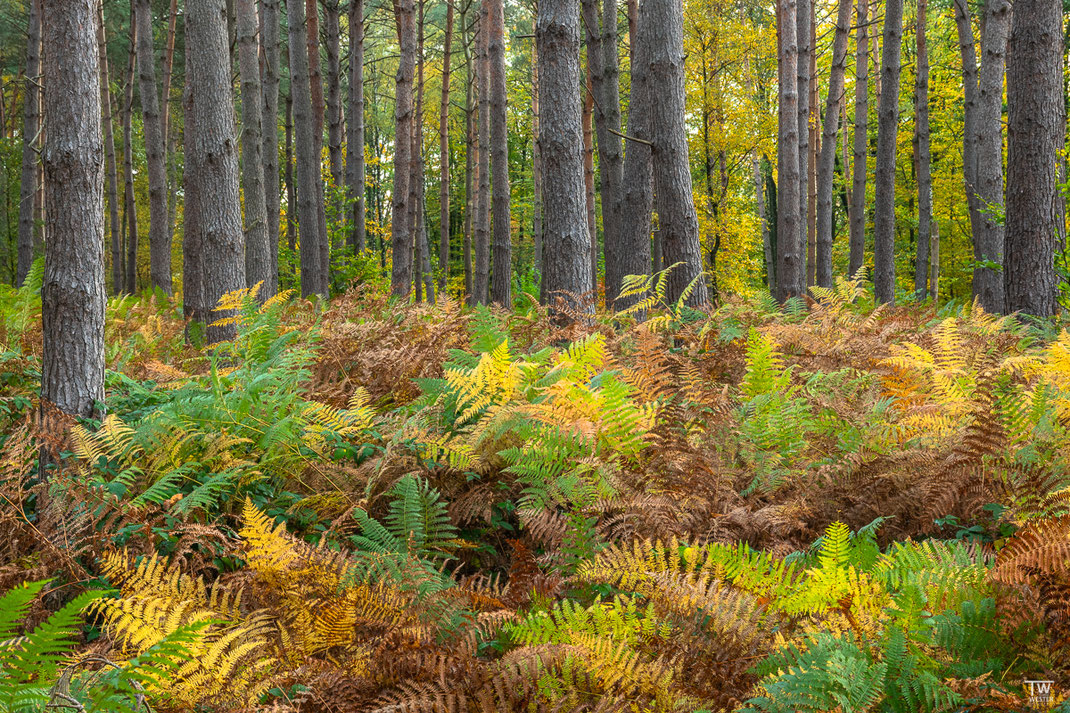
[{"x": 375, "y": 506}]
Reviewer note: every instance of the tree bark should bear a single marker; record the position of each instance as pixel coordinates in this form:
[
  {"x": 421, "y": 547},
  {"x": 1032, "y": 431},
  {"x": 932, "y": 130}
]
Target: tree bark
[
  {"x": 31, "y": 129},
  {"x": 444, "y": 158},
  {"x": 312, "y": 44},
  {"x": 483, "y": 201},
  {"x": 400, "y": 233},
  {"x": 269, "y": 45},
  {"x": 536, "y": 163},
  {"x": 588, "y": 179},
  {"x": 212, "y": 158},
  {"x": 332, "y": 14},
  {"x": 857, "y": 238},
  {"x": 165, "y": 110},
  {"x": 566, "y": 267},
  {"x": 1035, "y": 116},
  {"x": 258, "y": 264},
  {"x": 470, "y": 158},
  {"x": 355, "y": 128},
  {"x": 129, "y": 206},
  {"x": 501, "y": 292},
  {"x": 791, "y": 268},
  {"x": 194, "y": 303},
  {"x": 117, "y": 272},
  {"x": 72, "y": 294},
  {"x": 308, "y": 163},
  {"x": 803, "y": 19},
  {"x": 827, "y": 165},
  {"x": 155, "y": 151},
  {"x": 416, "y": 179},
  {"x": 925, "y": 180},
  {"x": 887, "y": 136},
  {"x": 288, "y": 173}
]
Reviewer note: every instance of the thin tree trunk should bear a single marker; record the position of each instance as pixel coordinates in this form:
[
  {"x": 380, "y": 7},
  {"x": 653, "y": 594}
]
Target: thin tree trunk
[
  {"x": 444, "y": 159},
  {"x": 803, "y": 19},
  {"x": 111, "y": 170},
  {"x": 416, "y": 179},
  {"x": 72, "y": 294},
  {"x": 536, "y": 162},
  {"x": 827, "y": 165},
  {"x": 130, "y": 208},
  {"x": 1035, "y": 117},
  {"x": 483, "y": 202},
  {"x": 791, "y": 270},
  {"x": 470, "y": 158},
  {"x": 334, "y": 90},
  {"x": 316, "y": 88},
  {"x": 355, "y": 128},
  {"x": 500, "y": 292},
  {"x": 567, "y": 269},
  {"x": 401, "y": 237},
  {"x": 887, "y": 136},
  {"x": 31, "y": 129},
  {"x": 861, "y": 143},
  {"x": 588, "y": 179},
  {"x": 291, "y": 188},
  {"x": 308, "y": 163},
  {"x": 814, "y": 125},
  {"x": 258, "y": 264},
  {"x": 925, "y": 181},
  {"x": 155, "y": 151},
  {"x": 194, "y": 303},
  {"x": 934, "y": 266},
  {"x": 165, "y": 109},
  {"x": 270, "y": 24}
]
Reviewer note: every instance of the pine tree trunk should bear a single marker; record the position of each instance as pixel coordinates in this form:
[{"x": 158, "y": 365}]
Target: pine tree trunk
[
  {"x": 355, "y": 128},
  {"x": 887, "y": 137},
  {"x": 270, "y": 24},
  {"x": 416, "y": 178},
  {"x": 536, "y": 162},
  {"x": 1035, "y": 119},
  {"x": 111, "y": 170},
  {"x": 567, "y": 269},
  {"x": 857, "y": 241},
  {"x": 332, "y": 14},
  {"x": 291, "y": 187},
  {"x": 803, "y": 18},
  {"x": 470, "y": 158},
  {"x": 791, "y": 268},
  {"x": 400, "y": 233},
  {"x": 444, "y": 159},
  {"x": 72, "y": 294},
  {"x": 827, "y": 165},
  {"x": 588, "y": 181},
  {"x": 483, "y": 202},
  {"x": 194, "y": 303},
  {"x": 155, "y": 151},
  {"x": 308, "y": 163},
  {"x": 31, "y": 128},
  {"x": 925, "y": 180},
  {"x": 165, "y": 110},
  {"x": 212, "y": 158},
  {"x": 501, "y": 292},
  {"x": 312, "y": 44},
  {"x": 258, "y": 266},
  {"x": 129, "y": 207}
]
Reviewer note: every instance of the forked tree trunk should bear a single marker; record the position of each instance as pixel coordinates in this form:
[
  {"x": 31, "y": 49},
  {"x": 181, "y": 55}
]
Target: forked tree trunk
[
  {"x": 500, "y": 292},
  {"x": 861, "y": 143},
  {"x": 31, "y": 129},
  {"x": 887, "y": 136}
]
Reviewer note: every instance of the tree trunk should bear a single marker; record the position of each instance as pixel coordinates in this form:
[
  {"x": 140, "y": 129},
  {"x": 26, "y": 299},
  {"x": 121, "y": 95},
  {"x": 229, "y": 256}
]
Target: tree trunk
[
  {"x": 566, "y": 267},
  {"x": 887, "y": 136},
  {"x": 827, "y": 165},
  {"x": 401, "y": 237},
  {"x": 444, "y": 159},
  {"x": 258, "y": 267},
  {"x": 165, "y": 110},
  {"x": 334, "y": 90},
  {"x": 988, "y": 128},
  {"x": 72, "y": 295},
  {"x": 316, "y": 89},
  {"x": 31, "y": 129},
  {"x": 308, "y": 164},
  {"x": 416, "y": 179},
  {"x": 212, "y": 158},
  {"x": 117, "y": 272},
  {"x": 291, "y": 187},
  {"x": 814, "y": 128},
  {"x": 925, "y": 180},
  {"x": 269, "y": 46},
  {"x": 155, "y": 151},
  {"x": 501, "y": 292},
  {"x": 194, "y": 303},
  {"x": 861, "y": 144},
  {"x": 483, "y": 202},
  {"x": 129, "y": 206},
  {"x": 470, "y": 159},
  {"x": 1035, "y": 114},
  {"x": 804, "y": 15},
  {"x": 536, "y": 162},
  {"x": 355, "y": 128},
  {"x": 588, "y": 180},
  {"x": 791, "y": 269}
]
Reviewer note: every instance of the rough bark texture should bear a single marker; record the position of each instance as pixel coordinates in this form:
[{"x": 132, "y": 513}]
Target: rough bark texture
[
  {"x": 566, "y": 267},
  {"x": 258, "y": 264},
  {"x": 884, "y": 170},
  {"x": 827, "y": 165},
  {"x": 603, "y": 62},
  {"x": 804, "y": 12},
  {"x": 663, "y": 20},
  {"x": 109, "y": 158},
  {"x": 332, "y": 15},
  {"x": 1035, "y": 114},
  {"x": 212, "y": 158},
  {"x": 308, "y": 164},
  {"x": 129, "y": 206},
  {"x": 814, "y": 126},
  {"x": 588, "y": 181},
  {"x": 536, "y": 163},
  {"x": 500, "y": 291},
  {"x": 482, "y": 209},
  {"x": 194, "y": 304},
  {"x": 857, "y": 240},
  {"x": 288, "y": 175},
  {"x": 72, "y": 295},
  {"x": 416, "y": 177},
  {"x": 31, "y": 127},
  {"x": 355, "y": 128},
  {"x": 791, "y": 269},
  {"x": 400, "y": 233},
  {"x": 471, "y": 148},
  {"x": 165, "y": 111},
  {"x": 155, "y": 151},
  {"x": 269, "y": 85},
  {"x": 444, "y": 158},
  {"x": 924, "y": 170},
  {"x": 968, "y": 54}
]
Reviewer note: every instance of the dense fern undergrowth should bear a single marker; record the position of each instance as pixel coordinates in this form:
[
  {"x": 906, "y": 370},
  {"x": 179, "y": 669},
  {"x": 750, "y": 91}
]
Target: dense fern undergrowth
[{"x": 368, "y": 506}]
